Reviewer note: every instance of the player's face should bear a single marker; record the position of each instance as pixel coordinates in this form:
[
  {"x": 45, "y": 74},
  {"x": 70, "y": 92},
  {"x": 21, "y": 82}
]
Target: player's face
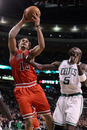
[
  {"x": 75, "y": 55},
  {"x": 24, "y": 44},
  {"x": 74, "y": 52}
]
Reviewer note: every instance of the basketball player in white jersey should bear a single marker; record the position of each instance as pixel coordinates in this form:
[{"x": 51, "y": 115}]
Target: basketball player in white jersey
[{"x": 71, "y": 74}]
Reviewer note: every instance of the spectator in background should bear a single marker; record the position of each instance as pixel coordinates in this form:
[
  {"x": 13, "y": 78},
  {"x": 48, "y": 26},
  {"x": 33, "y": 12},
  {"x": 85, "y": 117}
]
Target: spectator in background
[
  {"x": 0, "y": 124},
  {"x": 4, "y": 109}
]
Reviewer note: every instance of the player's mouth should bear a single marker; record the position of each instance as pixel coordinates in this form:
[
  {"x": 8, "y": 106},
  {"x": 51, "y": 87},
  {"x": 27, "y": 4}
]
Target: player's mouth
[{"x": 23, "y": 45}]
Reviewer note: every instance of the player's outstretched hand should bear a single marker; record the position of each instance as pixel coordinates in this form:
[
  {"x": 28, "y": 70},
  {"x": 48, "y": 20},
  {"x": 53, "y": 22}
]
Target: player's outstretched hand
[{"x": 24, "y": 18}]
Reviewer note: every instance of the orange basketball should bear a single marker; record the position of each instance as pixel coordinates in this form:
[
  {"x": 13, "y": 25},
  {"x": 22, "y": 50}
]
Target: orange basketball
[{"x": 28, "y": 12}]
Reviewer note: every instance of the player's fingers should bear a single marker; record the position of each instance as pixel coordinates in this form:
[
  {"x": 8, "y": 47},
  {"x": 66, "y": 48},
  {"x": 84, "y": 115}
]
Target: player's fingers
[
  {"x": 34, "y": 19},
  {"x": 77, "y": 60},
  {"x": 35, "y": 16}
]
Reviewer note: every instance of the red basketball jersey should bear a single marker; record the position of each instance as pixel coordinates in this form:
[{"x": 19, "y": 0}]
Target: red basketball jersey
[{"x": 22, "y": 72}]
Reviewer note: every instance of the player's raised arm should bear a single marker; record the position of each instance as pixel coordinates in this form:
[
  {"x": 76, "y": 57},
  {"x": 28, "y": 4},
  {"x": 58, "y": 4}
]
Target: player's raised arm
[
  {"x": 41, "y": 44},
  {"x": 12, "y": 34},
  {"x": 52, "y": 66}
]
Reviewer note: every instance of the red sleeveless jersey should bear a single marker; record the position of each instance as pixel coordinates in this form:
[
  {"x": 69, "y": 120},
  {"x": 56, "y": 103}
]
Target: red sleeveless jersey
[{"x": 22, "y": 72}]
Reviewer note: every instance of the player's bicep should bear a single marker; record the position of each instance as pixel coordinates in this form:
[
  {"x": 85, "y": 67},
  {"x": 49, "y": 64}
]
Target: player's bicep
[
  {"x": 36, "y": 51},
  {"x": 52, "y": 66}
]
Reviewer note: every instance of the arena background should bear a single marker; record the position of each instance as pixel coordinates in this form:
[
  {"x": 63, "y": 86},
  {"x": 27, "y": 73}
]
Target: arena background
[{"x": 64, "y": 25}]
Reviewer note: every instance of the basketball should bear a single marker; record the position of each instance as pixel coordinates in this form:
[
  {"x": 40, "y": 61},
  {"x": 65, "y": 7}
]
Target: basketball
[{"x": 28, "y": 13}]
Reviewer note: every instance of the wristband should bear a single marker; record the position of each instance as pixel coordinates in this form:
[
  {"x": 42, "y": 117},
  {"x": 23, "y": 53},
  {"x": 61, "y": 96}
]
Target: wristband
[
  {"x": 79, "y": 64},
  {"x": 38, "y": 25},
  {"x": 82, "y": 78}
]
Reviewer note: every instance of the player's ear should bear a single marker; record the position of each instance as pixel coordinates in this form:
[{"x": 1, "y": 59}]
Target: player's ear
[{"x": 29, "y": 45}]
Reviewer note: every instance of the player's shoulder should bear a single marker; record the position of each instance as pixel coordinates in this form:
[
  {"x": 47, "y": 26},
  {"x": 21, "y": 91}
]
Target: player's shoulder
[
  {"x": 64, "y": 62},
  {"x": 58, "y": 63},
  {"x": 18, "y": 51}
]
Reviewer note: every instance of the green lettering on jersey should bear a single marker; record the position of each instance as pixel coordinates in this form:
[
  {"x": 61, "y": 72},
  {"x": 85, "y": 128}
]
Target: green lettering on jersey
[{"x": 67, "y": 71}]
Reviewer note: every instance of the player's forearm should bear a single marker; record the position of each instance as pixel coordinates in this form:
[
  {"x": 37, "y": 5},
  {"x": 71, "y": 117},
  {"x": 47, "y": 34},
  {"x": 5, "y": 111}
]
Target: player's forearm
[
  {"x": 42, "y": 66},
  {"x": 80, "y": 72},
  {"x": 39, "y": 66},
  {"x": 14, "y": 31},
  {"x": 41, "y": 41},
  {"x": 36, "y": 65},
  {"x": 82, "y": 75}
]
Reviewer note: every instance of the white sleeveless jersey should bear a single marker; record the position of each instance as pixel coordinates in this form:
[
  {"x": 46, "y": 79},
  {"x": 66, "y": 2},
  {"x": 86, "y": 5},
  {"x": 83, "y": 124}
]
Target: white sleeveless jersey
[{"x": 69, "y": 78}]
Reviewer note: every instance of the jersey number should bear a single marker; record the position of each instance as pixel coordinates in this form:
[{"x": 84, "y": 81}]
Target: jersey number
[
  {"x": 22, "y": 67},
  {"x": 66, "y": 80}
]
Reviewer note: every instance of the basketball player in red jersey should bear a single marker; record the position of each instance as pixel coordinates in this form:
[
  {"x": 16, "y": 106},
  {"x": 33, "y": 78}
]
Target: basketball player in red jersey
[{"x": 27, "y": 92}]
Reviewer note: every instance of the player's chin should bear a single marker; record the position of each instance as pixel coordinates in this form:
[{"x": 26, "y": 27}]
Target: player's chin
[
  {"x": 72, "y": 58},
  {"x": 23, "y": 46}
]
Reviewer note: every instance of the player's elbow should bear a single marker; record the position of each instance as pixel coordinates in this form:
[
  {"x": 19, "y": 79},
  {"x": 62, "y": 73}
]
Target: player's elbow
[
  {"x": 42, "y": 47},
  {"x": 10, "y": 34},
  {"x": 84, "y": 82},
  {"x": 39, "y": 68}
]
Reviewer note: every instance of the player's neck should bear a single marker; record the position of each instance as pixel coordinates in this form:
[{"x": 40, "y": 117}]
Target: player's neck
[{"x": 22, "y": 49}]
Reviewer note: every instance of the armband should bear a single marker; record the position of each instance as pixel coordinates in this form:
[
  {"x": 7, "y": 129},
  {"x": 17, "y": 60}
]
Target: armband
[
  {"x": 82, "y": 78},
  {"x": 79, "y": 64},
  {"x": 38, "y": 25}
]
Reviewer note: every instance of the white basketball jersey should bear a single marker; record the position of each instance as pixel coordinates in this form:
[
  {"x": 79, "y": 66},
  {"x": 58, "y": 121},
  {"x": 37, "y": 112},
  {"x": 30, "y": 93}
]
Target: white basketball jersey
[{"x": 69, "y": 78}]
